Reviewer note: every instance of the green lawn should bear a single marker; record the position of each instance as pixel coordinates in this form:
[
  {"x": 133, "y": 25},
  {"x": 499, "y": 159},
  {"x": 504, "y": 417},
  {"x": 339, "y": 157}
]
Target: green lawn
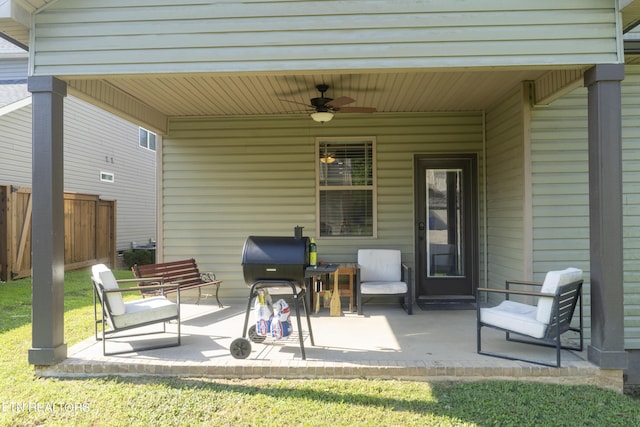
[{"x": 26, "y": 400}]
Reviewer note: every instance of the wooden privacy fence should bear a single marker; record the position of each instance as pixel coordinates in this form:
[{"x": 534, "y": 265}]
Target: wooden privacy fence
[{"x": 89, "y": 231}]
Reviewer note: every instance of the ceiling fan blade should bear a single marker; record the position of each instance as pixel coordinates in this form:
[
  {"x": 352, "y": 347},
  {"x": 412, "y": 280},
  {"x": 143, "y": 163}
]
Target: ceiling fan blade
[
  {"x": 338, "y": 102},
  {"x": 357, "y": 110},
  {"x": 294, "y": 102}
]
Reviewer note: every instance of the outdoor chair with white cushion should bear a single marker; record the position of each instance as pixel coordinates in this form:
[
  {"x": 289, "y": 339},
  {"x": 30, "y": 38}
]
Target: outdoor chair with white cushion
[
  {"x": 541, "y": 324},
  {"x": 119, "y": 315},
  {"x": 381, "y": 273}
]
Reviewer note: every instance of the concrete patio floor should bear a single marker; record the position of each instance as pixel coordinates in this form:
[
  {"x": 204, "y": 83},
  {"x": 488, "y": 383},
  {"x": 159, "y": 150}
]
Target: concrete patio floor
[{"x": 384, "y": 343}]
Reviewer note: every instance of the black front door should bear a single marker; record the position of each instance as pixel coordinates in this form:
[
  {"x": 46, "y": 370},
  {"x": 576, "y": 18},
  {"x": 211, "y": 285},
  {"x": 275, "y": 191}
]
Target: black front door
[{"x": 446, "y": 226}]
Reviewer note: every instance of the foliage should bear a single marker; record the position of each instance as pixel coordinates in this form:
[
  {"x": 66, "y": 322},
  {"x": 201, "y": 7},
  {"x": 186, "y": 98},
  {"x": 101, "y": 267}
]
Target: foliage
[
  {"x": 26, "y": 400},
  {"x": 138, "y": 256}
]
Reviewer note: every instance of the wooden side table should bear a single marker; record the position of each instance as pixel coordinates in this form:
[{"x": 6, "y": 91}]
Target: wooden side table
[
  {"x": 335, "y": 270},
  {"x": 345, "y": 269}
]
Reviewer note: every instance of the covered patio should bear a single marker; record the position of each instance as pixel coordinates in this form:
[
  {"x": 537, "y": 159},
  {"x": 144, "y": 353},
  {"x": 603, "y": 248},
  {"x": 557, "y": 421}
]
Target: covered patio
[
  {"x": 238, "y": 157},
  {"x": 434, "y": 345}
]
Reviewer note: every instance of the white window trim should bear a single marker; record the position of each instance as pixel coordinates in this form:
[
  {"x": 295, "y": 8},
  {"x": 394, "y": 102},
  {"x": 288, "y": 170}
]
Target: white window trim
[
  {"x": 104, "y": 175},
  {"x": 373, "y": 187},
  {"x": 148, "y": 133}
]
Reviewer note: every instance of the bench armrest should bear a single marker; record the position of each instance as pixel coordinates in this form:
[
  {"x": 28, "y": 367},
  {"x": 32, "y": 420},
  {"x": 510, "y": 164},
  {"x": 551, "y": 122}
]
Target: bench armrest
[{"x": 208, "y": 276}]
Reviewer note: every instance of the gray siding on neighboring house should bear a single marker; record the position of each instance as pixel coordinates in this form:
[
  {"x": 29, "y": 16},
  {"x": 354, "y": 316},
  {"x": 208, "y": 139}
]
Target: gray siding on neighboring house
[
  {"x": 134, "y": 36},
  {"x": 12, "y": 69},
  {"x": 226, "y": 179},
  {"x": 15, "y": 146},
  {"x": 14, "y": 61},
  {"x": 506, "y": 182},
  {"x": 92, "y": 138},
  {"x": 98, "y": 141}
]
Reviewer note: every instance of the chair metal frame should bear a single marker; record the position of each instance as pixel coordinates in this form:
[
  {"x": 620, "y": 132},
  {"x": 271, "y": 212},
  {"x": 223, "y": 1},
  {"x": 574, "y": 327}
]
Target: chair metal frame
[
  {"x": 100, "y": 293},
  {"x": 407, "y": 297},
  {"x": 565, "y": 300}
]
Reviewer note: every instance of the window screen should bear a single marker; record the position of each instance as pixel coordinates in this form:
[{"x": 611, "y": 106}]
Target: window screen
[{"x": 346, "y": 188}]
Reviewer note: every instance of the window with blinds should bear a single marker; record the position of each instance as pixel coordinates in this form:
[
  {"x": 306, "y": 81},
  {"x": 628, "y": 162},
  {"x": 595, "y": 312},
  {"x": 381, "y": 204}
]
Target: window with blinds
[{"x": 346, "y": 187}]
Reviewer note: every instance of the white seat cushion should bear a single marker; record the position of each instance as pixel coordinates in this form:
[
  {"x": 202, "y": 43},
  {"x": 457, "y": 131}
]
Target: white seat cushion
[
  {"x": 145, "y": 310},
  {"x": 552, "y": 280},
  {"x": 103, "y": 275},
  {"x": 514, "y": 316},
  {"x": 381, "y": 288}
]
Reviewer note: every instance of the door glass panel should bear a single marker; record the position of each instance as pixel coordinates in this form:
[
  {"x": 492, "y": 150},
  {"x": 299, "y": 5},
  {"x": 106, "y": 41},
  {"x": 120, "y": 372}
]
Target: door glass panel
[{"x": 445, "y": 231}]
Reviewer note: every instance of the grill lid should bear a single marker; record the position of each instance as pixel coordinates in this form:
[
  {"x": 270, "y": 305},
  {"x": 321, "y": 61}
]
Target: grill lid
[{"x": 275, "y": 258}]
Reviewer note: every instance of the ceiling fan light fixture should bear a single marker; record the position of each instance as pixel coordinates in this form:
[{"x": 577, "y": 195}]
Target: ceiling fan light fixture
[
  {"x": 327, "y": 159},
  {"x": 322, "y": 116}
]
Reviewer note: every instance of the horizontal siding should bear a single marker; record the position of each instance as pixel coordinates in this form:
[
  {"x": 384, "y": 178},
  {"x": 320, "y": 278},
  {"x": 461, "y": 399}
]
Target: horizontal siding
[
  {"x": 15, "y": 146},
  {"x": 505, "y": 186},
  {"x": 13, "y": 69},
  {"x": 78, "y": 37},
  {"x": 113, "y": 147},
  {"x": 561, "y": 192},
  {"x": 560, "y": 186},
  {"x": 631, "y": 204},
  {"x": 226, "y": 179},
  {"x": 92, "y": 139}
]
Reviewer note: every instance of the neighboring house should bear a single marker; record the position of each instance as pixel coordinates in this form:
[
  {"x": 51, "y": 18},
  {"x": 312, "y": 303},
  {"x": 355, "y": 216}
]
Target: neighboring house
[
  {"x": 101, "y": 151},
  {"x": 500, "y": 147}
]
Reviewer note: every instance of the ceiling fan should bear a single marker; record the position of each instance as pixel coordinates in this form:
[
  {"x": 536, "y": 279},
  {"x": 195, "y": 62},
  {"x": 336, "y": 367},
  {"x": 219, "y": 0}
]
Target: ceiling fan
[
  {"x": 323, "y": 108},
  {"x": 328, "y": 158}
]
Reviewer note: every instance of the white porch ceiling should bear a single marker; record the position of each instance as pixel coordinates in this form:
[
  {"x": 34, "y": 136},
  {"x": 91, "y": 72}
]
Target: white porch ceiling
[{"x": 214, "y": 95}]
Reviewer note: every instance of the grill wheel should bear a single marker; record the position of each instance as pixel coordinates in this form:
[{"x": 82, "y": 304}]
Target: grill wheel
[
  {"x": 254, "y": 337},
  {"x": 240, "y": 348}
]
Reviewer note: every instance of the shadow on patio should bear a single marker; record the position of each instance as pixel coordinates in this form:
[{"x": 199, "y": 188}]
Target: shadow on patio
[{"x": 384, "y": 343}]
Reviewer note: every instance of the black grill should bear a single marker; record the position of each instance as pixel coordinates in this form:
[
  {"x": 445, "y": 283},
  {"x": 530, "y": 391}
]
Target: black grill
[
  {"x": 278, "y": 263},
  {"x": 268, "y": 258}
]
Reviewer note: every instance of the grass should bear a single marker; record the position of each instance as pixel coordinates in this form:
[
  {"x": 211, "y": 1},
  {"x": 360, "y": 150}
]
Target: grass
[{"x": 26, "y": 400}]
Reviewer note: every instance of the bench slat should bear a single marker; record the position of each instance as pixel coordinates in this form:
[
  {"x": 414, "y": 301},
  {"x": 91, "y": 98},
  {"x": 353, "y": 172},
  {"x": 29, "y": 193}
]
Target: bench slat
[{"x": 184, "y": 273}]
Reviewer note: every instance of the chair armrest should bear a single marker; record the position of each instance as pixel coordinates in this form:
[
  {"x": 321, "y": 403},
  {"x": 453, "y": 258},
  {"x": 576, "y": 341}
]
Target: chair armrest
[
  {"x": 142, "y": 279},
  {"x": 406, "y": 274},
  {"x": 142, "y": 288},
  {"x": 521, "y": 283},
  {"x": 515, "y": 292}
]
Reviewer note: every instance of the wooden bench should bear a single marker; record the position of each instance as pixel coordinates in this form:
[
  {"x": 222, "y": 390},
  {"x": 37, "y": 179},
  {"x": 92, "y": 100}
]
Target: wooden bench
[{"x": 184, "y": 273}]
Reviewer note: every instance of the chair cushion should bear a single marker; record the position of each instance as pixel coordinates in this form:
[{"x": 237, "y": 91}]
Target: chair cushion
[
  {"x": 383, "y": 265},
  {"x": 102, "y": 274},
  {"x": 382, "y": 288},
  {"x": 145, "y": 310},
  {"x": 514, "y": 316},
  {"x": 552, "y": 280}
]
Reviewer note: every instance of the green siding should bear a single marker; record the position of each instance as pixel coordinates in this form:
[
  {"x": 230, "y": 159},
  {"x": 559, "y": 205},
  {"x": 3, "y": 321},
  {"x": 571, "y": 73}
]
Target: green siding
[
  {"x": 561, "y": 192},
  {"x": 227, "y": 178},
  {"x": 505, "y": 191},
  {"x": 631, "y": 204},
  {"x": 560, "y": 186},
  {"x": 80, "y": 37}
]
